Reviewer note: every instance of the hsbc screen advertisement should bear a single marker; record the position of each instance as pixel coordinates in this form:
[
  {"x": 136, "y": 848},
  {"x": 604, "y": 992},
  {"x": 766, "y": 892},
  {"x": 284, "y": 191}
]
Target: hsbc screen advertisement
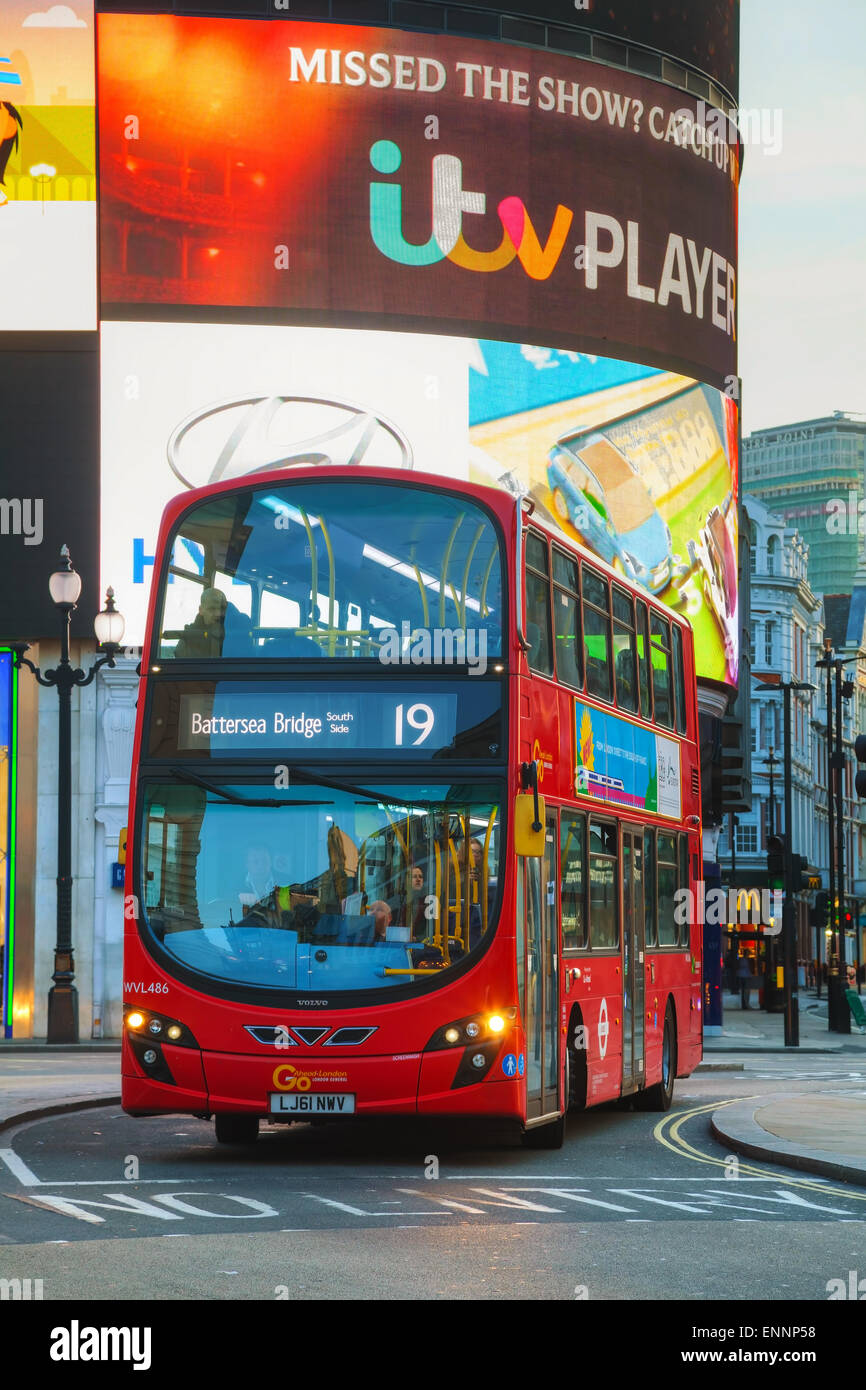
[
  {"x": 184, "y": 404},
  {"x": 371, "y": 178}
]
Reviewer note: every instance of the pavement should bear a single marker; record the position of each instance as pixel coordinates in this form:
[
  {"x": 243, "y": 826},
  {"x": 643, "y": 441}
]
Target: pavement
[{"x": 823, "y": 1132}]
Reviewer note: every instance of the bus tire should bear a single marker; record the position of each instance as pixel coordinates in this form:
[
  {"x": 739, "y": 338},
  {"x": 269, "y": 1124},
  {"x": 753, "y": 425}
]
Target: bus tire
[
  {"x": 659, "y": 1097},
  {"x": 236, "y": 1129},
  {"x": 549, "y": 1136}
]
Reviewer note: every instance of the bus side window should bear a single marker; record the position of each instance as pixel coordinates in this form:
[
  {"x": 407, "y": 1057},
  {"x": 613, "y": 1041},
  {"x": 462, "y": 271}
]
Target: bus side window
[
  {"x": 679, "y": 680},
  {"x": 603, "y": 886},
  {"x": 572, "y": 840},
  {"x": 646, "y": 708},
  {"x": 684, "y": 883},
  {"x": 566, "y": 617},
  {"x": 649, "y": 859},
  {"x": 540, "y": 653},
  {"x": 596, "y": 634},
  {"x": 667, "y": 872},
  {"x": 624, "y": 656},
  {"x": 660, "y": 653}
]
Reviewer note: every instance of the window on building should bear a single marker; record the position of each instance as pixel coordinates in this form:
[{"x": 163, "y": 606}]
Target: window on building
[
  {"x": 769, "y": 633},
  {"x": 746, "y": 839},
  {"x": 772, "y": 554}
]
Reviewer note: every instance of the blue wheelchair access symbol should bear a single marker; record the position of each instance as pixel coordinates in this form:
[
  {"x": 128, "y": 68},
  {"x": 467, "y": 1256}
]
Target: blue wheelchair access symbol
[
  {"x": 509, "y": 1064},
  {"x": 521, "y": 1065}
]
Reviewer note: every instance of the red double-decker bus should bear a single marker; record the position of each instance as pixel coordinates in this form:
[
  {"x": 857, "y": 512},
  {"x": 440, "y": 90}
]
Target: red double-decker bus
[{"x": 415, "y": 785}]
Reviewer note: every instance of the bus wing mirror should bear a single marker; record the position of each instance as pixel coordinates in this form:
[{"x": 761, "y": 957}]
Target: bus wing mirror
[{"x": 528, "y": 842}]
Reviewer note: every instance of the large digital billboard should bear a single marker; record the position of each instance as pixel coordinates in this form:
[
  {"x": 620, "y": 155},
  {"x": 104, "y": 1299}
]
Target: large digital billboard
[
  {"x": 47, "y": 166},
  {"x": 372, "y": 178},
  {"x": 637, "y": 463}
]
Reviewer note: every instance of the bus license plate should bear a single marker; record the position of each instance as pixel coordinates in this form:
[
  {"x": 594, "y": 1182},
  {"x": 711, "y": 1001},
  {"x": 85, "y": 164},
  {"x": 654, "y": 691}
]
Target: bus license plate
[{"x": 320, "y": 1103}]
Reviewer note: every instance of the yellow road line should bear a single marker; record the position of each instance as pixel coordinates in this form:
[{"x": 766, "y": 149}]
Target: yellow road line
[{"x": 684, "y": 1149}]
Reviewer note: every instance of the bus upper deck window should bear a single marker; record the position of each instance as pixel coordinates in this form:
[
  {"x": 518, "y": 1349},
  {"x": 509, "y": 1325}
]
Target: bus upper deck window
[
  {"x": 679, "y": 680},
  {"x": 643, "y": 658},
  {"x": 566, "y": 618},
  {"x": 660, "y": 654},
  {"x": 624, "y": 654},
  {"x": 596, "y": 634},
  {"x": 538, "y": 605}
]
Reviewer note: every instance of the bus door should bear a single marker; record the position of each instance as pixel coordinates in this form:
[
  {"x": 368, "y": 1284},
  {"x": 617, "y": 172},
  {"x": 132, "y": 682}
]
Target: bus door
[
  {"x": 632, "y": 960},
  {"x": 541, "y": 992}
]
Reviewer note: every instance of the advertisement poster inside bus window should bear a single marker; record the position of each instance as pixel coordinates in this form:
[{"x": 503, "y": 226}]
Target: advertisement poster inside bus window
[{"x": 47, "y": 166}]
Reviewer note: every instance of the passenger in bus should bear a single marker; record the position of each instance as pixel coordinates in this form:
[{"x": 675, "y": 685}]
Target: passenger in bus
[
  {"x": 206, "y": 634},
  {"x": 382, "y": 914}
]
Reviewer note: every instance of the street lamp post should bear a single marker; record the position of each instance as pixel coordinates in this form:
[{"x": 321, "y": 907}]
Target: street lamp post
[
  {"x": 65, "y": 589},
  {"x": 838, "y": 1015},
  {"x": 771, "y": 763},
  {"x": 789, "y": 944}
]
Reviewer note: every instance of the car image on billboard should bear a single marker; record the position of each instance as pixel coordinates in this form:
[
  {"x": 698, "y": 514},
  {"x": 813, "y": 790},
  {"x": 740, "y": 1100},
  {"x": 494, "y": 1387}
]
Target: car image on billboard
[{"x": 596, "y": 488}]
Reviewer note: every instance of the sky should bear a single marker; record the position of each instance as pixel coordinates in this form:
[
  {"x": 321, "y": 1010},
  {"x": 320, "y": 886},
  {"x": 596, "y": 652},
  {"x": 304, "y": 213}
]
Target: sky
[{"x": 802, "y": 278}]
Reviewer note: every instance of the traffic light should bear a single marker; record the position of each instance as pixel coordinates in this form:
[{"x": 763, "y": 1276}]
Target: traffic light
[
  {"x": 799, "y": 875},
  {"x": 860, "y": 752},
  {"x": 776, "y": 862},
  {"x": 819, "y": 915}
]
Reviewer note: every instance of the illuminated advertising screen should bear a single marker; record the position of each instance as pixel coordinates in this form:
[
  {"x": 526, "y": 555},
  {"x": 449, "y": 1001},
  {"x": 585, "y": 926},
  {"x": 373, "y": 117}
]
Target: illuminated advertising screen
[
  {"x": 637, "y": 463},
  {"x": 371, "y": 178},
  {"x": 47, "y": 165}
]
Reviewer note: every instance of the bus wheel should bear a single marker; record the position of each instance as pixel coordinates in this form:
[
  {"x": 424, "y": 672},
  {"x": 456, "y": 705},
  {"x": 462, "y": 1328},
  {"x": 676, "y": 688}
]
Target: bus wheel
[
  {"x": 659, "y": 1097},
  {"x": 549, "y": 1136},
  {"x": 236, "y": 1129}
]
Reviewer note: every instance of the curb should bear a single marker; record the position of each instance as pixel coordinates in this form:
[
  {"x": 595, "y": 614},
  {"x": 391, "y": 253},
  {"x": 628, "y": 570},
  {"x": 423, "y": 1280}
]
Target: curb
[
  {"x": 736, "y": 1126},
  {"x": 720, "y": 1066},
  {"x": 65, "y": 1107},
  {"x": 11, "y": 1048},
  {"x": 800, "y": 1051}
]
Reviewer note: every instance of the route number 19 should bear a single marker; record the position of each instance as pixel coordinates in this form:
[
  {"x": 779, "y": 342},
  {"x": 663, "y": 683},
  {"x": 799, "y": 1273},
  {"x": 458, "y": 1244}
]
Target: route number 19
[{"x": 418, "y": 717}]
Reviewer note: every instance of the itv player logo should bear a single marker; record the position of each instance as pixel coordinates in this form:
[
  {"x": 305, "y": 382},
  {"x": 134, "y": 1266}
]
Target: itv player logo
[{"x": 451, "y": 201}]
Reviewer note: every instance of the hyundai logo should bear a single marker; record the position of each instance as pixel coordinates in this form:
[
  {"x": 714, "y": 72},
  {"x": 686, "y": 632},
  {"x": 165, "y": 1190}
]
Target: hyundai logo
[{"x": 253, "y": 434}]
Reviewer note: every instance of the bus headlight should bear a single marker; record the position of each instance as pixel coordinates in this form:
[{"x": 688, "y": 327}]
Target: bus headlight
[
  {"x": 476, "y": 1029},
  {"x": 158, "y": 1026}
]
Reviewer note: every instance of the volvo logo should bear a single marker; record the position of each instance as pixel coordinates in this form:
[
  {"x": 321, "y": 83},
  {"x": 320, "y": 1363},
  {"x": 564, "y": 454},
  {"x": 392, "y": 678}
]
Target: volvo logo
[{"x": 253, "y": 434}]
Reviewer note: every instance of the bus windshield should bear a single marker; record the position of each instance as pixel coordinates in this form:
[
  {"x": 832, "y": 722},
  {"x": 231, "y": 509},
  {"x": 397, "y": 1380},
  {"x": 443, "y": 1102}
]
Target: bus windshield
[
  {"x": 320, "y": 886},
  {"x": 332, "y": 569}
]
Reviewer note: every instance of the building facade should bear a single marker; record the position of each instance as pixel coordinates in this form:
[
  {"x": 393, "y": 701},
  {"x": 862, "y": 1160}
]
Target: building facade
[{"x": 811, "y": 475}]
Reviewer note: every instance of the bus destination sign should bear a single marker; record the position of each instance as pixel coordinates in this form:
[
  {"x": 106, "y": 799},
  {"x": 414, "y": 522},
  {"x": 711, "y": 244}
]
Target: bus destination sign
[{"x": 232, "y": 722}]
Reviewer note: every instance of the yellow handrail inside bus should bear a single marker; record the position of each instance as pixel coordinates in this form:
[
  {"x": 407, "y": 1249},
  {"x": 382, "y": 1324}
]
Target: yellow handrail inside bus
[
  {"x": 484, "y": 864},
  {"x": 314, "y": 570},
  {"x": 446, "y": 561},
  {"x": 424, "y": 604},
  {"x": 458, "y": 936},
  {"x": 332, "y": 633},
  {"x": 478, "y": 534},
  {"x": 483, "y": 609}
]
